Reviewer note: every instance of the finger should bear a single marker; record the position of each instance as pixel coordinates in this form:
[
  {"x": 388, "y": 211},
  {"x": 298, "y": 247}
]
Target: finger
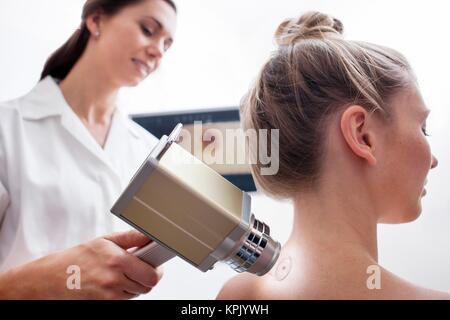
[
  {"x": 123, "y": 295},
  {"x": 134, "y": 288},
  {"x": 132, "y": 296},
  {"x": 141, "y": 272},
  {"x": 128, "y": 239},
  {"x": 159, "y": 273}
]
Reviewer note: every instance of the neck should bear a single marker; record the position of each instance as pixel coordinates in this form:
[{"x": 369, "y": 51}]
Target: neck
[
  {"x": 90, "y": 94},
  {"x": 333, "y": 217}
]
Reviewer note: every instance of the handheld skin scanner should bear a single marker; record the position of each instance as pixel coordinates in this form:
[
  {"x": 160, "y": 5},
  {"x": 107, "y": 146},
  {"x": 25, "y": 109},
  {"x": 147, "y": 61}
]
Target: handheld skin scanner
[{"x": 191, "y": 211}]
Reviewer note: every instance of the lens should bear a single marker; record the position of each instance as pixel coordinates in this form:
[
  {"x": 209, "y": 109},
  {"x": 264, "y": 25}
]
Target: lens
[{"x": 258, "y": 252}]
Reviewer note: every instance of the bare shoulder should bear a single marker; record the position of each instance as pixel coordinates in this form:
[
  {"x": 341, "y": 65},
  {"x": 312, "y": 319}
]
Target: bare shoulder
[
  {"x": 241, "y": 287},
  {"x": 351, "y": 282},
  {"x": 398, "y": 288}
]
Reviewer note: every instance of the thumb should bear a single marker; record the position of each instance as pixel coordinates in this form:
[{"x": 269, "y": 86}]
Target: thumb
[{"x": 128, "y": 239}]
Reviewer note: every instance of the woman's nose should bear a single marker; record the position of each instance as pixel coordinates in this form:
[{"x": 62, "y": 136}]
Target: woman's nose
[
  {"x": 156, "y": 49},
  {"x": 434, "y": 162}
]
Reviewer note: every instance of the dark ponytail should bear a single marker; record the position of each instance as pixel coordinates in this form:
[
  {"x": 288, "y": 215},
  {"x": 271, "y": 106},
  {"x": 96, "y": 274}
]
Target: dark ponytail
[{"x": 62, "y": 60}]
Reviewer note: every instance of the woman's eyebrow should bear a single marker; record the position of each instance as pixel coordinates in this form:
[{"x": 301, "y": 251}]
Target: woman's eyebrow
[{"x": 160, "y": 25}]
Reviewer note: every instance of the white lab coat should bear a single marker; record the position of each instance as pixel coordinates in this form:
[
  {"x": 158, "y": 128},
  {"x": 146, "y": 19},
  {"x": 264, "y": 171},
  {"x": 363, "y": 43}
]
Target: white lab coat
[{"x": 57, "y": 185}]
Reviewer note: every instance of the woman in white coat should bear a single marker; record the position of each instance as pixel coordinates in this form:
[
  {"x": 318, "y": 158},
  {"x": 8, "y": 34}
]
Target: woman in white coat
[{"x": 67, "y": 151}]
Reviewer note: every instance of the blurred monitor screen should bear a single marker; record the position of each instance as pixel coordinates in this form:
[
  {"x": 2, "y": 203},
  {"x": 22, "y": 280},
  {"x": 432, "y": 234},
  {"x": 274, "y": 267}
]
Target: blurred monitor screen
[{"x": 216, "y": 124}]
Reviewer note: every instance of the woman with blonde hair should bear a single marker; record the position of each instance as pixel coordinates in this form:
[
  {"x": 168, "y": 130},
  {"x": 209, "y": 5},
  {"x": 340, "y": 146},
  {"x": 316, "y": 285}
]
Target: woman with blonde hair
[{"x": 353, "y": 153}]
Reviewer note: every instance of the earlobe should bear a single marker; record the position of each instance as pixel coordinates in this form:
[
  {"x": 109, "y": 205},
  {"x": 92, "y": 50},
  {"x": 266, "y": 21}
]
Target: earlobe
[
  {"x": 356, "y": 133},
  {"x": 93, "y": 24}
]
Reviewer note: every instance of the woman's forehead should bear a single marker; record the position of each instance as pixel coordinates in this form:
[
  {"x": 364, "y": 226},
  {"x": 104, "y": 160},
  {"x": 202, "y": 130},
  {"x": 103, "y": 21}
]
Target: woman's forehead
[{"x": 157, "y": 10}]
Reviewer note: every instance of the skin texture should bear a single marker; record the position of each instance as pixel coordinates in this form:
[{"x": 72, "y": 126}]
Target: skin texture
[
  {"x": 373, "y": 171},
  {"x": 107, "y": 271},
  {"x": 141, "y": 32}
]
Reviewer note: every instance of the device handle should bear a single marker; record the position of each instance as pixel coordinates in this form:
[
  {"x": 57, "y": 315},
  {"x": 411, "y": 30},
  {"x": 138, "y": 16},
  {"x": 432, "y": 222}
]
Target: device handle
[{"x": 154, "y": 254}]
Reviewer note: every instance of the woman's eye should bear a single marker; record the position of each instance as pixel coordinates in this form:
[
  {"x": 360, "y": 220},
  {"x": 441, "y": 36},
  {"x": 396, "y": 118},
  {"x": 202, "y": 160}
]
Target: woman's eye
[
  {"x": 167, "y": 46},
  {"x": 146, "y": 31},
  {"x": 424, "y": 130}
]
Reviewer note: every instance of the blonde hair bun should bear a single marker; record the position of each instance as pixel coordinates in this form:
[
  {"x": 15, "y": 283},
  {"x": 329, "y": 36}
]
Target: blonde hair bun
[{"x": 311, "y": 25}]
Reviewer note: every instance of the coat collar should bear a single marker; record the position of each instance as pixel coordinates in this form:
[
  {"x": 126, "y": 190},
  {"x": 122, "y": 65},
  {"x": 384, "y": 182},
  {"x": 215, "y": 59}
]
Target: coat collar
[{"x": 46, "y": 100}]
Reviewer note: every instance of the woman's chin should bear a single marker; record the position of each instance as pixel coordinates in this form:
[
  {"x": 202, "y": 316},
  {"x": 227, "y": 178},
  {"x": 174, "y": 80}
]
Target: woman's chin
[
  {"x": 403, "y": 216},
  {"x": 132, "y": 79},
  {"x": 133, "y": 82}
]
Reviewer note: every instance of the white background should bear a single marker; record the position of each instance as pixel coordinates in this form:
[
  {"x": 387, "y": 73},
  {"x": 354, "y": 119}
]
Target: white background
[{"x": 219, "y": 48}]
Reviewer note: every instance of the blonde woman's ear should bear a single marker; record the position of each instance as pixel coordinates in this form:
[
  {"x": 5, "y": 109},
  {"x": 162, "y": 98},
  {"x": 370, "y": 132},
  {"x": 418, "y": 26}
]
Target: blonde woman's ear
[{"x": 357, "y": 133}]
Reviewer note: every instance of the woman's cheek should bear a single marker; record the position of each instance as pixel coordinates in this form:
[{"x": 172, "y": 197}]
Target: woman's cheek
[{"x": 422, "y": 156}]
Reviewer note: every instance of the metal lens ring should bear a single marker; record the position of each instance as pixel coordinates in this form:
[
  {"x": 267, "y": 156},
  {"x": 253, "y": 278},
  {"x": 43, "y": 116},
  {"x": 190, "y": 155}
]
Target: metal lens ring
[{"x": 252, "y": 247}]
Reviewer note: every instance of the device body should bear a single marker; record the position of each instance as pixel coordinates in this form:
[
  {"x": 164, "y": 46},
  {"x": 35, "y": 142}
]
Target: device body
[{"x": 191, "y": 211}]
